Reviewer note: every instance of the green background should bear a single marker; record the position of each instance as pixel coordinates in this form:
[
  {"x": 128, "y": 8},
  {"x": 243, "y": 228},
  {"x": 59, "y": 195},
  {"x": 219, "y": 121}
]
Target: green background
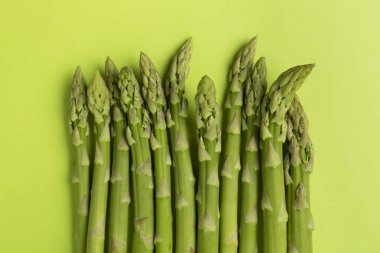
[{"x": 41, "y": 43}]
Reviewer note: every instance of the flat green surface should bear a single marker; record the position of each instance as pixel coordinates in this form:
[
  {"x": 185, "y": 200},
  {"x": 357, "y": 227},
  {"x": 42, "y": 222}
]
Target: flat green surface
[{"x": 41, "y": 43}]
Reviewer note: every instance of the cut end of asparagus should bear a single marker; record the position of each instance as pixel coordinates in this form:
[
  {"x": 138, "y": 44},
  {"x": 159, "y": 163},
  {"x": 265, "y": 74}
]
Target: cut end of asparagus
[
  {"x": 179, "y": 69},
  {"x": 151, "y": 90},
  {"x": 78, "y": 104},
  {"x": 112, "y": 79},
  {"x": 129, "y": 89},
  {"x": 98, "y": 98}
]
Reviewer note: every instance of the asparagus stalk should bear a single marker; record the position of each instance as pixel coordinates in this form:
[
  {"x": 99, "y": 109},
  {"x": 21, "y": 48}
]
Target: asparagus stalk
[
  {"x": 154, "y": 98},
  {"x": 209, "y": 147},
  {"x": 254, "y": 90},
  {"x": 231, "y": 149},
  {"x": 176, "y": 118},
  {"x": 273, "y": 134},
  {"x": 80, "y": 177},
  {"x": 300, "y": 163},
  {"x": 120, "y": 195},
  {"x": 99, "y": 105},
  {"x": 138, "y": 133}
]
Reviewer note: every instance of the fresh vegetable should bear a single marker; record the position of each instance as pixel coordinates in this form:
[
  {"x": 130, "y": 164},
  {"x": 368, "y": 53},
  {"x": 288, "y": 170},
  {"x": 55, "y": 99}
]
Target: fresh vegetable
[
  {"x": 231, "y": 148},
  {"x": 153, "y": 94},
  {"x": 99, "y": 105},
  {"x": 209, "y": 147},
  {"x": 265, "y": 137},
  {"x": 138, "y": 133},
  {"x": 254, "y": 90},
  {"x": 120, "y": 193},
  {"x": 176, "y": 120},
  {"x": 298, "y": 165},
  {"x": 81, "y": 172},
  {"x": 273, "y": 134}
]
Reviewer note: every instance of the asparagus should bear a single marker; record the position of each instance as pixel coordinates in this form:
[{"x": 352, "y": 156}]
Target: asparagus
[
  {"x": 154, "y": 98},
  {"x": 254, "y": 90},
  {"x": 99, "y": 105},
  {"x": 138, "y": 133},
  {"x": 273, "y": 134},
  {"x": 176, "y": 116},
  {"x": 209, "y": 147},
  {"x": 120, "y": 195},
  {"x": 231, "y": 150},
  {"x": 80, "y": 177},
  {"x": 300, "y": 162}
]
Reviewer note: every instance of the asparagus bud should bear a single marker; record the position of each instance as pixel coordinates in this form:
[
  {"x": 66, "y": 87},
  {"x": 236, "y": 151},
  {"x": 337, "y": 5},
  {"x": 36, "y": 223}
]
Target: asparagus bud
[
  {"x": 274, "y": 108},
  {"x": 80, "y": 175},
  {"x": 99, "y": 105},
  {"x": 209, "y": 135},
  {"x": 154, "y": 98}
]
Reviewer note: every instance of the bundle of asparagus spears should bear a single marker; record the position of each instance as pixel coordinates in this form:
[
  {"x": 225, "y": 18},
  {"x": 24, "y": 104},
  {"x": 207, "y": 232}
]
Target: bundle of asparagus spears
[{"x": 136, "y": 192}]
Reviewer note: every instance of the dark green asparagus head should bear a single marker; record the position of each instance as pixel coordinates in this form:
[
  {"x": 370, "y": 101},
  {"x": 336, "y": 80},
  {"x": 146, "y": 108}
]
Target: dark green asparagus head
[
  {"x": 299, "y": 143},
  {"x": 254, "y": 91},
  {"x": 207, "y": 114},
  {"x": 112, "y": 79},
  {"x": 78, "y": 103},
  {"x": 129, "y": 89},
  {"x": 98, "y": 98},
  {"x": 175, "y": 80},
  {"x": 131, "y": 100},
  {"x": 277, "y": 102},
  {"x": 239, "y": 72},
  {"x": 151, "y": 89},
  {"x": 207, "y": 111}
]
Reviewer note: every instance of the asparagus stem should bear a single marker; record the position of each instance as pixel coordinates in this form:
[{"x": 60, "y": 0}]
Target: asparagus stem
[
  {"x": 154, "y": 98},
  {"x": 300, "y": 163},
  {"x": 120, "y": 194},
  {"x": 80, "y": 177},
  {"x": 99, "y": 105},
  {"x": 138, "y": 133},
  {"x": 231, "y": 150},
  {"x": 209, "y": 140},
  {"x": 176, "y": 117},
  {"x": 254, "y": 90},
  {"x": 273, "y": 134}
]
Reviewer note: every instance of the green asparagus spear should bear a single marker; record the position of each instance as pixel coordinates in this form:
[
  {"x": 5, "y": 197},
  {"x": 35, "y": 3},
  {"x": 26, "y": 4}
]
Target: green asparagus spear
[
  {"x": 273, "y": 134},
  {"x": 176, "y": 120},
  {"x": 138, "y": 133},
  {"x": 231, "y": 149},
  {"x": 300, "y": 164},
  {"x": 254, "y": 90},
  {"x": 99, "y": 105},
  {"x": 120, "y": 195},
  {"x": 154, "y": 98},
  {"x": 80, "y": 177},
  {"x": 209, "y": 147}
]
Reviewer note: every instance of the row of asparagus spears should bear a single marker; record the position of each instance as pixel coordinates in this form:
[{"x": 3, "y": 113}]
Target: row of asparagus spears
[{"x": 252, "y": 177}]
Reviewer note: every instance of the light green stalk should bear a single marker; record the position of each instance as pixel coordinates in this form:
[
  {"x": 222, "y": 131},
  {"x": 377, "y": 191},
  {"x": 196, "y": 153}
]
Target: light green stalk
[
  {"x": 120, "y": 194},
  {"x": 154, "y": 97},
  {"x": 209, "y": 147},
  {"x": 80, "y": 177},
  {"x": 231, "y": 149},
  {"x": 254, "y": 90},
  {"x": 300, "y": 164},
  {"x": 138, "y": 134},
  {"x": 99, "y": 105},
  {"x": 273, "y": 134},
  {"x": 176, "y": 120}
]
